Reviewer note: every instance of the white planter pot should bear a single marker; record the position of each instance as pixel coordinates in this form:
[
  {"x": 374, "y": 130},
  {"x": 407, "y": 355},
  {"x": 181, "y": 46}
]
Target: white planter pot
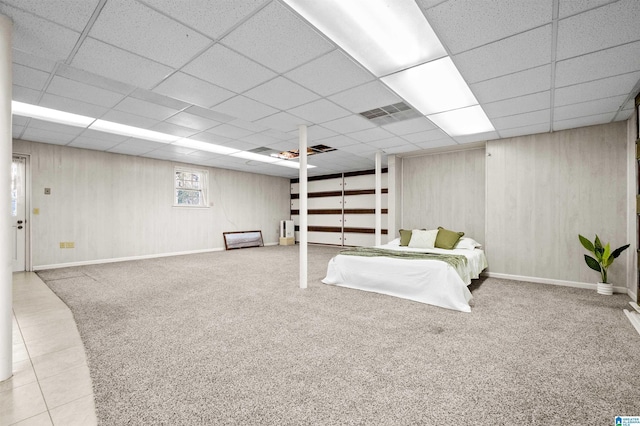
[{"x": 605, "y": 288}]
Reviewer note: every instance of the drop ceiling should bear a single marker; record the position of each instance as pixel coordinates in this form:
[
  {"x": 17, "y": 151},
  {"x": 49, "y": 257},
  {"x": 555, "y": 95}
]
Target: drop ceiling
[{"x": 247, "y": 73}]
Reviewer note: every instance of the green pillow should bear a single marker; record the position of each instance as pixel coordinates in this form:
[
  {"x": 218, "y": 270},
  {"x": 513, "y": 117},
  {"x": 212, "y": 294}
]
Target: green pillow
[
  {"x": 447, "y": 239},
  {"x": 405, "y": 237}
]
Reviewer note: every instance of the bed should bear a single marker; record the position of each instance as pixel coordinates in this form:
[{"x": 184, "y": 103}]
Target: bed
[{"x": 384, "y": 269}]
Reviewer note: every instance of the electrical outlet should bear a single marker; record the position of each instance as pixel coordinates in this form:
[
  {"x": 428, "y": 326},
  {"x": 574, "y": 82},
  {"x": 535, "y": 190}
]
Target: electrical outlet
[
  {"x": 47, "y": 191},
  {"x": 71, "y": 244},
  {"x": 63, "y": 245}
]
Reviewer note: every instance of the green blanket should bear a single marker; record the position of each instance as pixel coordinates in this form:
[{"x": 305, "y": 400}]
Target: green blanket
[{"x": 456, "y": 261}]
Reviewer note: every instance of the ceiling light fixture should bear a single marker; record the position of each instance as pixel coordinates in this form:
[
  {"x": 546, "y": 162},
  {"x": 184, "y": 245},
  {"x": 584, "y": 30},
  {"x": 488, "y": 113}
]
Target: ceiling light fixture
[
  {"x": 464, "y": 121},
  {"x": 131, "y": 131},
  {"x": 384, "y": 36},
  {"x": 433, "y": 87},
  {"x": 51, "y": 115},
  {"x": 394, "y": 41}
]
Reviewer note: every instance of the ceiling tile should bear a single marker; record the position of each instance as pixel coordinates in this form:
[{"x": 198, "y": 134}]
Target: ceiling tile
[
  {"x": 240, "y": 106},
  {"x": 134, "y": 146},
  {"x": 156, "y": 98},
  {"x": 212, "y": 21},
  {"x": 349, "y": 124},
  {"x": 111, "y": 62},
  {"x": 359, "y": 148},
  {"x": 173, "y": 129},
  {"x": 260, "y": 139},
  {"x": 319, "y": 111},
  {"x": 282, "y": 135},
  {"x": 92, "y": 79},
  {"x": 190, "y": 89},
  {"x": 583, "y": 121},
  {"x": 413, "y": 125},
  {"x": 401, "y": 149},
  {"x": 519, "y": 105},
  {"x": 46, "y": 136},
  {"x": 277, "y": 39},
  {"x": 55, "y": 127},
  {"x": 192, "y": 121},
  {"x": 71, "y": 105},
  {"x": 83, "y": 92},
  {"x": 462, "y": 25},
  {"x": 571, "y": 7},
  {"x": 339, "y": 141},
  {"x": 211, "y": 138},
  {"x": 225, "y": 68},
  {"x": 315, "y": 132},
  {"x": 145, "y": 109},
  {"x": 366, "y": 97},
  {"x": 282, "y": 121},
  {"x": 129, "y": 119},
  {"x": 39, "y": 37},
  {"x": 384, "y": 144},
  {"x": 91, "y": 143},
  {"x": 331, "y": 73},
  {"x": 598, "y": 89},
  {"x": 281, "y": 93},
  {"x": 104, "y": 136},
  {"x": 32, "y": 61},
  {"x": 597, "y": 107},
  {"x": 525, "y": 130},
  {"x": 229, "y": 131},
  {"x": 438, "y": 143},
  {"x": 139, "y": 29},
  {"x": 519, "y": 120},
  {"x": 19, "y": 120},
  {"x": 370, "y": 135},
  {"x": 513, "y": 85},
  {"x": 513, "y": 54},
  {"x": 426, "y": 136},
  {"x": 247, "y": 125},
  {"x": 616, "y": 23},
  {"x": 605, "y": 63},
  {"x": 26, "y": 95},
  {"x": 29, "y": 77},
  {"x": 72, "y": 14},
  {"x": 209, "y": 114}
]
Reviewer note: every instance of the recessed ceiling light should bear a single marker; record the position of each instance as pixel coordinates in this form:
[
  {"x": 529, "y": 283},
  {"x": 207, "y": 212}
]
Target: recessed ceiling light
[
  {"x": 48, "y": 114},
  {"x": 134, "y": 132},
  {"x": 384, "y": 36},
  {"x": 433, "y": 87},
  {"x": 464, "y": 121}
]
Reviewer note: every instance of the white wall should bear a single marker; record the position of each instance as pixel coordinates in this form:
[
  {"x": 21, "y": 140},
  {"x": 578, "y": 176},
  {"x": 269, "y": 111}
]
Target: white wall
[
  {"x": 118, "y": 206},
  {"x": 447, "y": 190},
  {"x": 543, "y": 190}
]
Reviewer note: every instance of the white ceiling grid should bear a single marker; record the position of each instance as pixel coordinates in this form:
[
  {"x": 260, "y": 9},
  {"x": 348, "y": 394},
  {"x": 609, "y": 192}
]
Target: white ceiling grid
[{"x": 247, "y": 73}]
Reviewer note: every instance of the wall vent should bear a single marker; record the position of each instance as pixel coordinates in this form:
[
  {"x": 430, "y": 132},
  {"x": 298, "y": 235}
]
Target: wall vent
[{"x": 390, "y": 114}]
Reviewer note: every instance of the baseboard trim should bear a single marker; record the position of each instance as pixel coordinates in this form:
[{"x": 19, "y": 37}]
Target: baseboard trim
[
  {"x": 575, "y": 284},
  {"x": 129, "y": 258}
]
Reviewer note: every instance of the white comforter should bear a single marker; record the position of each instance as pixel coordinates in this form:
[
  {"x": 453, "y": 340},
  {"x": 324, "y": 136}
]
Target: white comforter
[{"x": 428, "y": 281}]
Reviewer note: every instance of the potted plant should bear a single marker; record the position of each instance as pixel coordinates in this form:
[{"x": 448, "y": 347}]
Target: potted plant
[{"x": 604, "y": 258}]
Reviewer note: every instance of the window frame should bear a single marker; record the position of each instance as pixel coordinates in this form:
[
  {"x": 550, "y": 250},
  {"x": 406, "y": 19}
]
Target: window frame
[{"x": 204, "y": 190}]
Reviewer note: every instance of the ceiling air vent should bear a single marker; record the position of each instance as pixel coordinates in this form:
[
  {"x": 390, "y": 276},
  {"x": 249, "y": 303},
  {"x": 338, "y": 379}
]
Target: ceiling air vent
[{"x": 390, "y": 114}]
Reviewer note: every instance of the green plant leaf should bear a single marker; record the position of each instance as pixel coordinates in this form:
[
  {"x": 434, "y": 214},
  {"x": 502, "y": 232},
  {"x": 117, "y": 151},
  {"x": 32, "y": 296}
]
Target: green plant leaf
[
  {"x": 606, "y": 253},
  {"x": 597, "y": 243},
  {"x": 586, "y": 243},
  {"x": 619, "y": 250},
  {"x": 592, "y": 263}
]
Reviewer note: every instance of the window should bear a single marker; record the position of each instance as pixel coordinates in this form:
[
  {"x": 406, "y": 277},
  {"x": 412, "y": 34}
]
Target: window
[{"x": 190, "y": 187}]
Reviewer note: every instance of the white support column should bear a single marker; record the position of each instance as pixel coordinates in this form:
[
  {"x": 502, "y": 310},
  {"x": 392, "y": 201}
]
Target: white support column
[
  {"x": 302, "y": 134},
  {"x": 6, "y": 267},
  {"x": 378, "y": 237}
]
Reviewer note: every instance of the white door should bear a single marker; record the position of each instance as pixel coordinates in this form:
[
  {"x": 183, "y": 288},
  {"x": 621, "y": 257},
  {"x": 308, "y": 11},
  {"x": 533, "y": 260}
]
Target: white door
[{"x": 18, "y": 213}]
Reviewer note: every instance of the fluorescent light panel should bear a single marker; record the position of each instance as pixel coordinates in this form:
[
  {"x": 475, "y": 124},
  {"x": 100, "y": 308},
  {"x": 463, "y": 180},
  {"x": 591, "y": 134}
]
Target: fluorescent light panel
[
  {"x": 384, "y": 36},
  {"x": 464, "y": 121},
  {"x": 433, "y": 87},
  {"x": 51, "y": 115},
  {"x": 131, "y": 131}
]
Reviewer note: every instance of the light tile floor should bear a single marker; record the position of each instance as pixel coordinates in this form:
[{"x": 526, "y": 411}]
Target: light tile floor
[{"x": 51, "y": 383}]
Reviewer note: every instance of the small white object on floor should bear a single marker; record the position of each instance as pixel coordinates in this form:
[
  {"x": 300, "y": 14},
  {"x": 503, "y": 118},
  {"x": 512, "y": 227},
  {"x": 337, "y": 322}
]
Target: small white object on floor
[{"x": 635, "y": 306}]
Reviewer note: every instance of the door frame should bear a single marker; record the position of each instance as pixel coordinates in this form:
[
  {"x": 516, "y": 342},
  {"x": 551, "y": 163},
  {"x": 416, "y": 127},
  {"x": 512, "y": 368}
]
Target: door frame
[{"x": 28, "y": 266}]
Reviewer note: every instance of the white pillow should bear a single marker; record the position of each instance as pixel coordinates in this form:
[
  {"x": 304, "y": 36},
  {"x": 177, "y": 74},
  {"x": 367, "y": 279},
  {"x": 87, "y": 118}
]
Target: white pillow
[
  {"x": 423, "y": 239},
  {"x": 467, "y": 243},
  {"x": 394, "y": 243}
]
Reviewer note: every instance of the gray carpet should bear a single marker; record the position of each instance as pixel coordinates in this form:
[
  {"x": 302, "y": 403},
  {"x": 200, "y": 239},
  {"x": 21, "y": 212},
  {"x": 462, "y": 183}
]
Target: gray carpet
[{"x": 229, "y": 338}]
